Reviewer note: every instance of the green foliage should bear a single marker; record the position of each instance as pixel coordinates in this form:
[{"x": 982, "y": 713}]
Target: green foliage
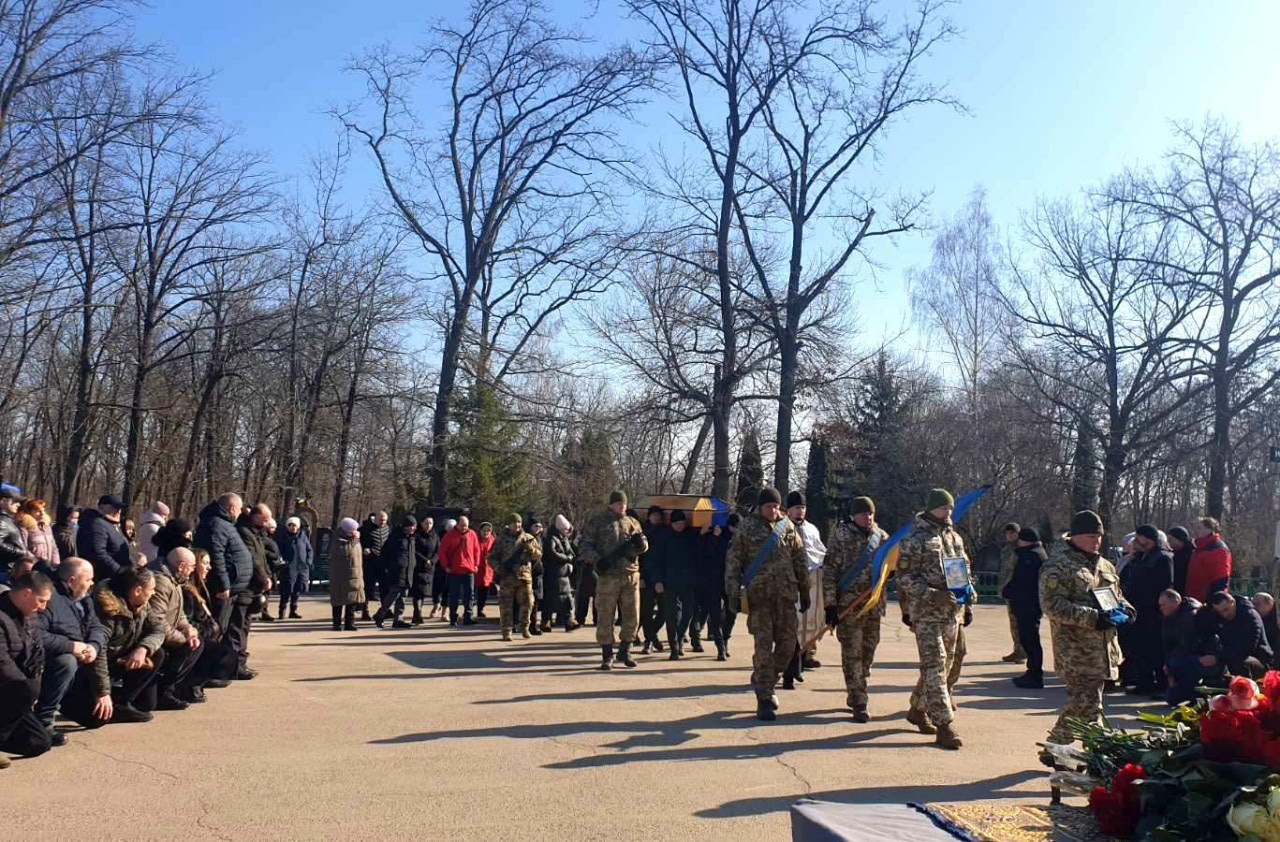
[
  {"x": 750, "y": 472},
  {"x": 489, "y": 471},
  {"x": 815, "y": 487},
  {"x": 585, "y": 476}
]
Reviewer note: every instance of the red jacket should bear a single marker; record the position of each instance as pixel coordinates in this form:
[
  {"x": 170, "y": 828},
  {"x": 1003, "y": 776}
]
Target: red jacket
[
  {"x": 1210, "y": 568},
  {"x": 460, "y": 551},
  {"x": 484, "y": 575}
]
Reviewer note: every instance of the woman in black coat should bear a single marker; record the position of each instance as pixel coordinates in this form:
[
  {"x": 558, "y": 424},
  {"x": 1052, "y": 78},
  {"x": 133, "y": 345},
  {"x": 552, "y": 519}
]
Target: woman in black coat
[
  {"x": 1023, "y": 595},
  {"x": 428, "y": 544},
  {"x": 557, "y": 576}
]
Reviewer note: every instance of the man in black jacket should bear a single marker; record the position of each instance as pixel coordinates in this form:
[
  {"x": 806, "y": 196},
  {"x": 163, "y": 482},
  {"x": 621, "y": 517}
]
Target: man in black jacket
[
  {"x": 652, "y": 615},
  {"x": 1022, "y": 594},
  {"x": 1147, "y": 575},
  {"x": 373, "y": 534},
  {"x": 428, "y": 547},
  {"x": 12, "y": 548},
  {"x": 1242, "y": 640},
  {"x": 1189, "y": 648},
  {"x": 673, "y": 578},
  {"x": 100, "y": 540},
  {"x": 1182, "y": 546},
  {"x": 21, "y": 666},
  {"x": 396, "y": 561},
  {"x": 72, "y": 636},
  {"x": 230, "y": 575},
  {"x": 252, "y": 527},
  {"x": 1265, "y": 605}
]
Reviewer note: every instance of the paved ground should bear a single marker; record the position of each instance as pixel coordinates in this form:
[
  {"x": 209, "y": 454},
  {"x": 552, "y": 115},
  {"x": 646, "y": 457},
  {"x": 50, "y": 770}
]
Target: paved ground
[{"x": 436, "y": 733}]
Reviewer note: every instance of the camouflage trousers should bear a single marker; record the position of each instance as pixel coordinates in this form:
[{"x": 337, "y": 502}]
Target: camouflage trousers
[
  {"x": 936, "y": 643},
  {"x": 614, "y": 592},
  {"x": 773, "y": 625},
  {"x": 1084, "y": 701},
  {"x": 512, "y": 591},
  {"x": 957, "y": 661},
  {"x": 859, "y": 637},
  {"x": 1018, "y": 651}
]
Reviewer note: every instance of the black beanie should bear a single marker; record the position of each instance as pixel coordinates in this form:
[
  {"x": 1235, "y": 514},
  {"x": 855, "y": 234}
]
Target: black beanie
[
  {"x": 1148, "y": 531},
  {"x": 769, "y": 495},
  {"x": 1029, "y": 535},
  {"x": 795, "y": 498},
  {"x": 409, "y": 520},
  {"x": 862, "y": 506},
  {"x": 655, "y": 510},
  {"x": 677, "y": 515},
  {"x": 1086, "y": 523},
  {"x": 1180, "y": 532}
]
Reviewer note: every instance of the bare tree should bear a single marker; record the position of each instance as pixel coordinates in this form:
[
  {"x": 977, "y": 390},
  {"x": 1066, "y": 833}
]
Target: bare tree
[{"x": 517, "y": 173}]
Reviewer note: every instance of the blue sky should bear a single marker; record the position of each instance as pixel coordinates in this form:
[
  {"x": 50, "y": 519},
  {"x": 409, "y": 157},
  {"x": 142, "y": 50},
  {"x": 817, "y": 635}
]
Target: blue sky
[{"x": 1061, "y": 94}]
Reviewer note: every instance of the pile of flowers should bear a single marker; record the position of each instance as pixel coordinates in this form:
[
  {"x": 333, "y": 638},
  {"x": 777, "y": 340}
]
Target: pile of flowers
[{"x": 1205, "y": 771}]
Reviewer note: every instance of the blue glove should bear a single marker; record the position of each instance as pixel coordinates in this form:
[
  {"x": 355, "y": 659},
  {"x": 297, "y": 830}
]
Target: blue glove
[
  {"x": 971, "y": 596},
  {"x": 1119, "y": 616}
]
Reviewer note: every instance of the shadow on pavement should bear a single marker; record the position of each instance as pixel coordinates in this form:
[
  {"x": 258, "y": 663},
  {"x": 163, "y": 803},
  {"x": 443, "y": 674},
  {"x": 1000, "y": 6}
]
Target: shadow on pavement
[
  {"x": 987, "y": 790},
  {"x": 636, "y": 695}
]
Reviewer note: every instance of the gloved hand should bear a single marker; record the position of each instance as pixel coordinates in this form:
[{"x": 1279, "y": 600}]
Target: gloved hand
[
  {"x": 832, "y": 616},
  {"x": 971, "y": 596},
  {"x": 735, "y": 605},
  {"x": 906, "y": 620},
  {"x": 1104, "y": 622},
  {"x": 968, "y": 615},
  {"x": 637, "y": 540},
  {"x": 1121, "y": 617},
  {"x": 805, "y": 603}
]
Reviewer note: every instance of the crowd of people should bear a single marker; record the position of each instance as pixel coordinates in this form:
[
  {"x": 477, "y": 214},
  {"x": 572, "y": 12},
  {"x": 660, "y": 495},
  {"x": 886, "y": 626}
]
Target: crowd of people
[
  {"x": 104, "y": 624},
  {"x": 101, "y": 624}
]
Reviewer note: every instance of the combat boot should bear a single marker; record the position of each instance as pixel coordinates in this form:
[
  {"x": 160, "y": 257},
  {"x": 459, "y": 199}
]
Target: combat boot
[
  {"x": 948, "y": 738},
  {"x": 417, "y": 616},
  {"x": 506, "y": 634},
  {"x": 526, "y": 634},
  {"x": 657, "y": 646},
  {"x": 606, "y": 662},
  {"x": 695, "y": 643},
  {"x": 647, "y": 648},
  {"x": 280, "y": 615},
  {"x": 860, "y": 714},
  {"x": 921, "y": 721},
  {"x": 337, "y": 618},
  {"x": 624, "y": 655},
  {"x": 1028, "y": 681},
  {"x": 772, "y": 701},
  {"x": 765, "y": 712},
  {"x": 721, "y": 655}
]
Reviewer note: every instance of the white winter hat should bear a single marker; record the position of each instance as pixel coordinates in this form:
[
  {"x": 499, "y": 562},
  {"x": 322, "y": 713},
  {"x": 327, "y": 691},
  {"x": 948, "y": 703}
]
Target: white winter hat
[
  {"x": 293, "y": 521},
  {"x": 562, "y": 524},
  {"x": 348, "y": 526}
]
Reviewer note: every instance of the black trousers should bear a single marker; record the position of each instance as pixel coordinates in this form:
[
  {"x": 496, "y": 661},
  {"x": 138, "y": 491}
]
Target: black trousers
[
  {"x": 392, "y": 601},
  {"x": 21, "y": 733},
  {"x": 730, "y": 617},
  {"x": 179, "y": 667},
  {"x": 291, "y": 588},
  {"x": 373, "y": 579},
  {"x": 709, "y": 614},
  {"x": 652, "y": 612},
  {"x": 233, "y": 618},
  {"x": 128, "y": 687},
  {"x": 584, "y": 599},
  {"x": 677, "y": 609},
  {"x": 1029, "y": 637}
]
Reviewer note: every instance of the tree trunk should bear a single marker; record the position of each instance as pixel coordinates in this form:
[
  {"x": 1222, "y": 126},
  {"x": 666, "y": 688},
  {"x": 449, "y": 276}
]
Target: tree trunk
[
  {"x": 1219, "y": 444},
  {"x": 788, "y": 353},
  {"x": 135, "y": 424},
  {"x": 439, "y": 469},
  {"x": 80, "y": 418},
  {"x": 720, "y": 441},
  {"x": 695, "y": 456}
]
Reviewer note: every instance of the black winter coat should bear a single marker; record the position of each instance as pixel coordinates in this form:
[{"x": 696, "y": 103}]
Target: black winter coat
[
  {"x": 712, "y": 552},
  {"x": 428, "y": 545},
  {"x": 1181, "y": 562},
  {"x": 60, "y": 625},
  {"x": 12, "y": 549},
  {"x": 649, "y": 562},
  {"x": 1237, "y": 639},
  {"x": 557, "y": 564},
  {"x": 1023, "y": 590},
  {"x": 255, "y": 540},
  {"x": 372, "y": 538},
  {"x": 1185, "y": 632},
  {"x": 397, "y": 559},
  {"x": 230, "y": 562},
  {"x": 675, "y": 559},
  {"x": 21, "y": 651},
  {"x": 1144, "y": 578},
  {"x": 102, "y": 543}
]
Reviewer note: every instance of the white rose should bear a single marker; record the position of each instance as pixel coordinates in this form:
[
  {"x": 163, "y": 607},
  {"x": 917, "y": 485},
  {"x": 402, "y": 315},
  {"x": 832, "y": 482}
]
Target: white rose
[{"x": 1251, "y": 819}]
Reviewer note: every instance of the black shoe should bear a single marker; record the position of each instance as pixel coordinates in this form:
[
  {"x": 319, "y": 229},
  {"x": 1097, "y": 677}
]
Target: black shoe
[
  {"x": 294, "y": 615},
  {"x": 799, "y": 678},
  {"x": 216, "y": 684},
  {"x": 765, "y": 711},
  {"x": 400, "y": 624},
  {"x": 772, "y": 702},
  {"x": 606, "y": 662},
  {"x": 721, "y": 655},
  {"x": 624, "y": 656},
  {"x": 726, "y": 649},
  {"x": 788, "y": 682},
  {"x": 647, "y": 649},
  {"x": 337, "y": 626},
  {"x": 57, "y": 739},
  {"x": 364, "y": 615},
  {"x": 378, "y": 620},
  {"x": 674, "y": 656},
  {"x": 129, "y": 713},
  {"x": 535, "y": 629},
  {"x": 467, "y": 621},
  {"x": 266, "y": 617},
  {"x": 453, "y": 624},
  {"x": 195, "y": 695},
  {"x": 860, "y": 714},
  {"x": 657, "y": 646},
  {"x": 350, "y": 627},
  {"x": 245, "y": 674},
  {"x": 809, "y": 662},
  {"x": 168, "y": 701},
  {"x": 695, "y": 645},
  {"x": 417, "y": 618},
  {"x": 1027, "y": 681}
]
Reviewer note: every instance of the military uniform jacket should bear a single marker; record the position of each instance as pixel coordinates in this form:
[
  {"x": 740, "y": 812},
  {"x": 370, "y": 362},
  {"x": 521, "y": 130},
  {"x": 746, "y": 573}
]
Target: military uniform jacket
[
  {"x": 1008, "y": 562},
  {"x": 507, "y": 546},
  {"x": 1067, "y": 581},
  {"x": 845, "y": 549},
  {"x": 783, "y": 573},
  {"x": 922, "y": 584},
  {"x": 604, "y": 532}
]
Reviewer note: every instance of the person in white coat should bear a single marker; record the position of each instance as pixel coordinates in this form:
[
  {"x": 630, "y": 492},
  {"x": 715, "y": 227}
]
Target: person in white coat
[
  {"x": 152, "y": 519},
  {"x": 811, "y": 621}
]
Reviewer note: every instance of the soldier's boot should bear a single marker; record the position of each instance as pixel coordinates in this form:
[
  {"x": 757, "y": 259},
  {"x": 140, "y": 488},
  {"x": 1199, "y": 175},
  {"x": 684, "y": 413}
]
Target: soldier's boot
[
  {"x": 506, "y": 634},
  {"x": 860, "y": 714},
  {"x": 695, "y": 642},
  {"x": 765, "y": 712},
  {"x": 919, "y": 719},
  {"x": 1013, "y": 658},
  {"x": 606, "y": 658},
  {"x": 721, "y": 654},
  {"x": 809, "y": 662},
  {"x": 772, "y": 701},
  {"x": 280, "y": 616},
  {"x": 657, "y": 645},
  {"x": 624, "y": 656},
  {"x": 526, "y": 634},
  {"x": 417, "y": 615},
  {"x": 647, "y": 648},
  {"x": 948, "y": 738}
]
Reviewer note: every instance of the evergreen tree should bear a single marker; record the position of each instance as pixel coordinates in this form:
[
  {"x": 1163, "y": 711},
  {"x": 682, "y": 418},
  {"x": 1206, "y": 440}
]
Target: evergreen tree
[
  {"x": 750, "y": 472},
  {"x": 815, "y": 486},
  {"x": 883, "y": 472},
  {"x": 490, "y": 469}
]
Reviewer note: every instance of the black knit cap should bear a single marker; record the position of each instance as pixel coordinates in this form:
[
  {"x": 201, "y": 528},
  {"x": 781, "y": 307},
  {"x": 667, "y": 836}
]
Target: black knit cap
[
  {"x": 618, "y": 496},
  {"x": 1180, "y": 532},
  {"x": 862, "y": 506},
  {"x": 409, "y": 520},
  {"x": 1029, "y": 535},
  {"x": 1086, "y": 523},
  {"x": 795, "y": 498},
  {"x": 655, "y": 510},
  {"x": 677, "y": 515},
  {"x": 1149, "y": 532},
  {"x": 769, "y": 495}
]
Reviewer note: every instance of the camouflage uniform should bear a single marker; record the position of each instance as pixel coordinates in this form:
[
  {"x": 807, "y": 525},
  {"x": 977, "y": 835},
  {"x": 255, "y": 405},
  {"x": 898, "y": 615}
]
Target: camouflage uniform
[
  {"x": 1008, "y": 561},
  {"x": 1086, "y": 657},
  {"x": 935, "y": 614},
  {"x": 771, "y": 596},
  {"x": 515, "y": 586},
  {"x": 858, "y": 635},
  {"x": 619, "y": 586}
]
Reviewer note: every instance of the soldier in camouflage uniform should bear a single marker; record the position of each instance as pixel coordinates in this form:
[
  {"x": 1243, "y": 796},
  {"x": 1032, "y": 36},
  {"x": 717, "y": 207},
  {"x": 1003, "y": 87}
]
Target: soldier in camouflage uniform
[
  {"x": 935, "y": 613},
  {"x": 852, "y": 543},
  {"x": 1009, "y": 561},
  {"x": 1084, "y": 636},
  {"x": 613, "y": 542},
  {"x": 514, "y": 556},
  {"x": 772, "y": 592}
]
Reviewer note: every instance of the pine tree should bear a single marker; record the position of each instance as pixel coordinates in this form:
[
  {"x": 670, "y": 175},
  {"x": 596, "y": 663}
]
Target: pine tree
[
  {"x": 883, "y": 473},
  {"x": 750, "y": 472},
  {"x": 815, "y": 486},
  {"x": 489, "y": 469}
]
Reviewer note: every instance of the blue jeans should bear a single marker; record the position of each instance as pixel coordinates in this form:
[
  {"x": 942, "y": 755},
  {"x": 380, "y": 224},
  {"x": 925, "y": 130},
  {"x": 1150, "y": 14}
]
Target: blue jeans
[
  {"x": 460, "y": 589},
  {"x": 1185, "y": 672},
  {"x": 59, "y": 672}
]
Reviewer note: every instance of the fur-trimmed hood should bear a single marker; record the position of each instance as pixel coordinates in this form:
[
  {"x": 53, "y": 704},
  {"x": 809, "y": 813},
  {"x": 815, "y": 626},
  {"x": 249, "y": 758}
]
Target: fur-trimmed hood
[{"x": 111, "y": 604}]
